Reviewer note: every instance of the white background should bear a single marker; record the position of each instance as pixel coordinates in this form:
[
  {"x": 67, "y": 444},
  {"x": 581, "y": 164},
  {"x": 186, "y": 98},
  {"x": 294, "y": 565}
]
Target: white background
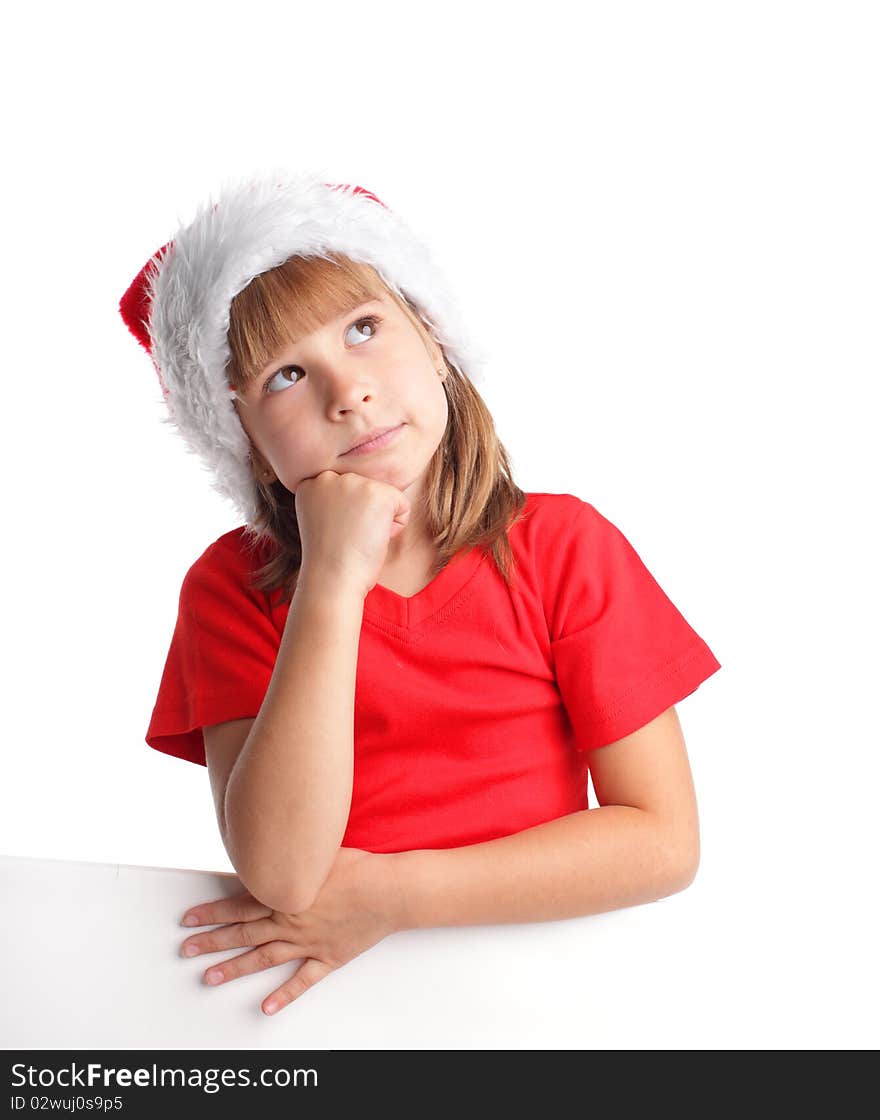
[{"x": 661, "y": 223}]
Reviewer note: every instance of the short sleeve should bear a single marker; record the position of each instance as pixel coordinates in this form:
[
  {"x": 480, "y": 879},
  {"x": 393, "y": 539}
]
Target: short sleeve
[
  {"x": 623, "y": 653},
  {"x": 221, "y": 658}
]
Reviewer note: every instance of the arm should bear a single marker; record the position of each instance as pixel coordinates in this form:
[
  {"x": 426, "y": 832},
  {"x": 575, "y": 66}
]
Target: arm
[
  {"x": 644, "y": 846},
  {"x": 286, "y": 803},
  {"x": 640, "y": 845}
]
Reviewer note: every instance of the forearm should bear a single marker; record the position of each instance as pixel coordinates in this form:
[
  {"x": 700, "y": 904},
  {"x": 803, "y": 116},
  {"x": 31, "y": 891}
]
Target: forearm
[
  {"x": 585, "y": 863},
  {"x": 289, "y": 793}
]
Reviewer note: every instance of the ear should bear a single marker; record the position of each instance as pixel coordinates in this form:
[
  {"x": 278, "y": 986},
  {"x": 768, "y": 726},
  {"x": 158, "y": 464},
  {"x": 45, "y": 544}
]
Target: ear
[
  {"x": 434, "y": 350},
  {"x": 262, "y": 471}
]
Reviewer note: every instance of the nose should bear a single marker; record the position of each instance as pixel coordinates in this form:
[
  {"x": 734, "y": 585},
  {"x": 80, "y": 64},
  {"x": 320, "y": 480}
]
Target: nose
[{"x": 344, "y": 385}]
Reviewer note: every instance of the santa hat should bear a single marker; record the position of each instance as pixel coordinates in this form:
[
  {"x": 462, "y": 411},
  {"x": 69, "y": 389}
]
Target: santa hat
[{"x": 178, "y": 304}]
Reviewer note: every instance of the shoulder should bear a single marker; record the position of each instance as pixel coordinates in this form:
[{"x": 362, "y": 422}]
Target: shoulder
[
  {"x": 226, "y": 567},
  {"x": 238, "y": 549},
  {"x": 556, "y": 509},
  {"x": 570, "y": 555},
  {"x": 547, "y": 520},
  {"x": 540, "y": 541}
]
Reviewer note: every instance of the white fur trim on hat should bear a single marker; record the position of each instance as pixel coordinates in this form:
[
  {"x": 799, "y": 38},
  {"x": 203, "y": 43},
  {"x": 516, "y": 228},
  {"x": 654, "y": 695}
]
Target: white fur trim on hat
[{"x": 253, "y": 226}]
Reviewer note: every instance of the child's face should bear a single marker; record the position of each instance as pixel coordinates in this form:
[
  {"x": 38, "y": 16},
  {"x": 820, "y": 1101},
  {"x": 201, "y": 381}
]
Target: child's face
[{"x": 350, "y": 377}]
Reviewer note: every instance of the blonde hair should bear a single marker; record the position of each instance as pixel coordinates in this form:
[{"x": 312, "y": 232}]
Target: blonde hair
[{"x": 470, "y": 498}]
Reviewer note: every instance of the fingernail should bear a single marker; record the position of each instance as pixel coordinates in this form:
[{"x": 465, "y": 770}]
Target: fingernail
[
  {"x": 189, "y": 920},
  {"x": 270, "y": 1007},
  {"x": 190, "y": 950},
  {"x": 214, "y": 976}
]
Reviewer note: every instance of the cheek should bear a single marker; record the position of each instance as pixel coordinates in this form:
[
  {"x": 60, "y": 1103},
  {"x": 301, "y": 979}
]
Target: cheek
[
  {"x": 427, "y": 385},
  {"x": 296, "y": 454},
  {"x": 280, "y": 431}
]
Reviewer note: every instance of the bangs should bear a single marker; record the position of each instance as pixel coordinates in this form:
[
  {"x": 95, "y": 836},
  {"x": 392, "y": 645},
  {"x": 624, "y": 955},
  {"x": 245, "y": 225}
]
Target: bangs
[{"x": 294, "y": 299}]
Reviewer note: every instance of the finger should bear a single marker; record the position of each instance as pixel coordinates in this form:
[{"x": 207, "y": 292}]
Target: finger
[
  {"x": 240, "y": 935},
  {"x": 239, "y": 908},
  {"x": 306, "y": 976},
  {"x": 264, "y": 956}
]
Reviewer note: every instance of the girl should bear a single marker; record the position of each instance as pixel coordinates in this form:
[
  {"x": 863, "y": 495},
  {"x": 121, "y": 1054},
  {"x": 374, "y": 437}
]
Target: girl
[{"x": 400, "y": 668}]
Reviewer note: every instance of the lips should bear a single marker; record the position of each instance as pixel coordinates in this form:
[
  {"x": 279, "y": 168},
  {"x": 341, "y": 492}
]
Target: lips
[{"x": 368, "y": 437}]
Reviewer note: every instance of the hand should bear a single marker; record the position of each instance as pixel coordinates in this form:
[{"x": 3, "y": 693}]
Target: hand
[
  {"x": 345, "y": 523},
  {"x": 356, "y": 907}
]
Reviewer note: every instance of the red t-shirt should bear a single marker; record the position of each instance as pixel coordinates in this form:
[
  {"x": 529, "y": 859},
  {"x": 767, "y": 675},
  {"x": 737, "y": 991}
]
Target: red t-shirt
[{"x": 475, "y": 704}]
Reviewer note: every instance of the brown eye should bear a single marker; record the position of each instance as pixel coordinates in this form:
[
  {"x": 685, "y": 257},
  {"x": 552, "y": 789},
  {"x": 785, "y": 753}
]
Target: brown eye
[
  {"x": 281, "y": 379},
  {"x": 371, "y": 321}
]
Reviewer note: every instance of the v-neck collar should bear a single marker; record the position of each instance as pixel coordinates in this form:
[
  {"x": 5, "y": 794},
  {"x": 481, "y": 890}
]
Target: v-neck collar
[{"x": 383, "y": 604}]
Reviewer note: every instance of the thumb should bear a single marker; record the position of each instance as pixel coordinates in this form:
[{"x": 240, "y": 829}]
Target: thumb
[
  {"x": 401, "y": 515},
  {"x": 398, "y": 525}
]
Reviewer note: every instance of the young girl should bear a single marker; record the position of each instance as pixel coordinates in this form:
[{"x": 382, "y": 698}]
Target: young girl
[{"x": 400, "y": 668}]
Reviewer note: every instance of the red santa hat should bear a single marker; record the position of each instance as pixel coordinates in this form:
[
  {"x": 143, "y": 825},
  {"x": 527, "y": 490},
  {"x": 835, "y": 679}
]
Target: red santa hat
[{"x": 178, "y": 304}]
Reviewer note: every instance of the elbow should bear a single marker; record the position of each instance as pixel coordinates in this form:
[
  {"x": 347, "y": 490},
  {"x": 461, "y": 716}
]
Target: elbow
[
  {"x": 275, "y": 878},
  {"x": 679, "y": 847},
  {"x": 679, "y": 869},
  {"x": 281, "y": 900},
  {"x": 281, "y": 897},
  {"x": 676, "y": 858},
  {"x": 687, "y": 872},
  {"x": 290, "y": 893},
  {"x": 294, "y": 898}
]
